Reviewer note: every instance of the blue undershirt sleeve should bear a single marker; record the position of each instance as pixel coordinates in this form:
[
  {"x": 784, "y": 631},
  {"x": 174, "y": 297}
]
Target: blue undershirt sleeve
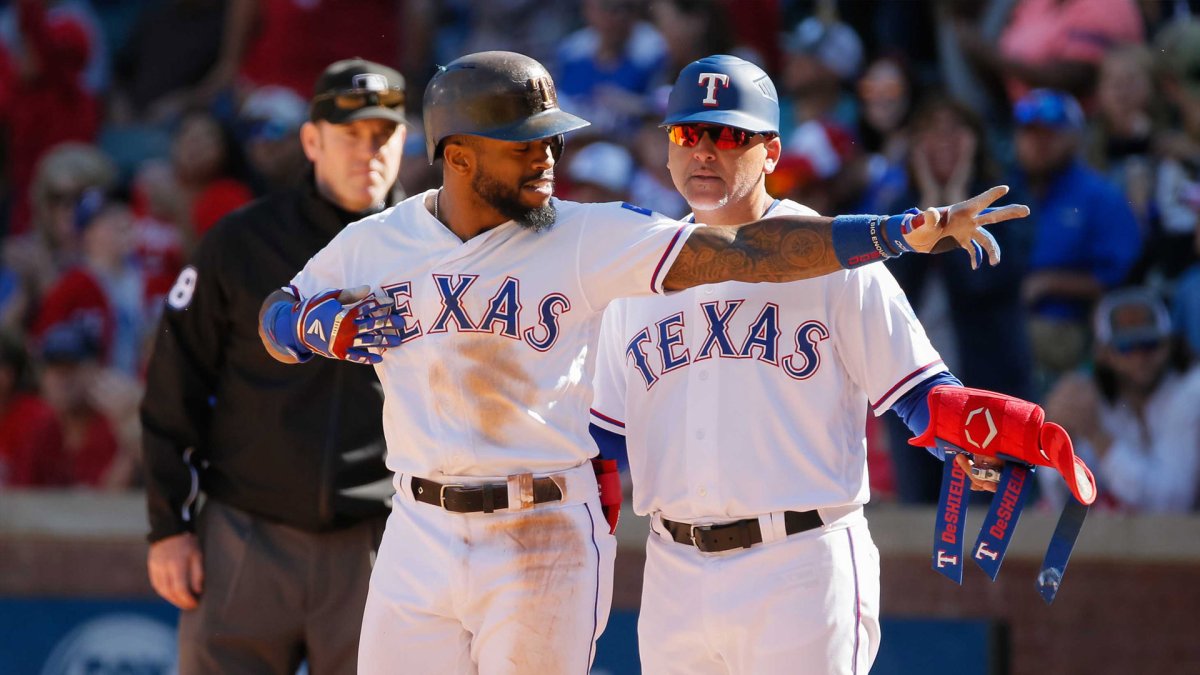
[
  {"x": 612, "y": 446},
  {"x": 913, "y": 407}
]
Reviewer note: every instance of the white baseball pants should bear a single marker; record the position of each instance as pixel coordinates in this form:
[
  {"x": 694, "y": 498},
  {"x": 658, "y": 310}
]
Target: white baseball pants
[
  {"x": 490, "y": 593},
  {"x": 805, "y": 604}
]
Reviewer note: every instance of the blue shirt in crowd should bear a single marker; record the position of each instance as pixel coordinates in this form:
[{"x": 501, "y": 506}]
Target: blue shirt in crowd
[
  {"x": 1083, "y": 224},
  {"x": 581, "y": 78}
]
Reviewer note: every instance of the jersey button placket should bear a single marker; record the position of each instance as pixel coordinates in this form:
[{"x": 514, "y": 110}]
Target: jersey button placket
[{"x": 702, "y": 455}]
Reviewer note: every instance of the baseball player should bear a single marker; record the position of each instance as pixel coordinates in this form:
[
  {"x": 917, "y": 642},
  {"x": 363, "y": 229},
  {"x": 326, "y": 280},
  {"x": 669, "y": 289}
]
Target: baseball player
[
  {"x": 479, "y": 303},
  {"x": 744, "y": 408}
]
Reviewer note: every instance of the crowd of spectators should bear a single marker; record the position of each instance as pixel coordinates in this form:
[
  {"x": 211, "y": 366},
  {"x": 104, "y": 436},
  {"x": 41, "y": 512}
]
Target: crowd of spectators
[{"x": 129, "y": 127}]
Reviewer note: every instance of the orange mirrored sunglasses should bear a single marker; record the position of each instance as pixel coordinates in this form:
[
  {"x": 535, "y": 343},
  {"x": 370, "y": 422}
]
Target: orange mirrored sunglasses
[{"x": 723, "y": 137}]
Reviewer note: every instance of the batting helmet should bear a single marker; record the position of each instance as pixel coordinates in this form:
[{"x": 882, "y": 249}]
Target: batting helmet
[
  {"x": 724, "y": 90},
  {"x": 500, "y": 95}
]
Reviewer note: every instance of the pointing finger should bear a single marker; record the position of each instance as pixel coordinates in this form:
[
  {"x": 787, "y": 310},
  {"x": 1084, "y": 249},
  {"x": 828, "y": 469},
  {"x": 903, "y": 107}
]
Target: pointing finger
[
  {"x": 984, "y": 199},
  {"x": 1001, "y": 214}
]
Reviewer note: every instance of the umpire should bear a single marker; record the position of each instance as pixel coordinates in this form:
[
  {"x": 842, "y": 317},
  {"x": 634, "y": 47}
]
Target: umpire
[{"x": 273, "y": 569}]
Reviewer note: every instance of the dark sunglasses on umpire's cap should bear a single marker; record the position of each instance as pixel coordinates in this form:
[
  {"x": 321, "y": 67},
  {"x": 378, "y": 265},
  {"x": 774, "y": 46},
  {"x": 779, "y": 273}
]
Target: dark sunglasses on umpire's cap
[{"x": 355, "y": 89}]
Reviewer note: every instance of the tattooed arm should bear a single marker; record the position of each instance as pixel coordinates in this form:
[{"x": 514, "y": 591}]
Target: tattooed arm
[
  {"x": 789, "y": 248},
  {"x": 785, "y": 248}
]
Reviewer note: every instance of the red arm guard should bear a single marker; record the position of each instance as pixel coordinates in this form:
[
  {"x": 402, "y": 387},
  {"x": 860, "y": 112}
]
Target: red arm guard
[{"x": 986, "y": 423}]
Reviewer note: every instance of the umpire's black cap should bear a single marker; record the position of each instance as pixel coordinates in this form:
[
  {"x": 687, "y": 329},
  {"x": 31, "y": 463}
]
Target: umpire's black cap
[{"x": 356, "y": 89}]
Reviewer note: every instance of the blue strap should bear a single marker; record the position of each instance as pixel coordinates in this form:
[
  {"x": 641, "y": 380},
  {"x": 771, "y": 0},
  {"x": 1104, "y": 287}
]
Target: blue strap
[
  {"x": 893, "y": 229},
  {"x": 1001, "y": 520},
  {"x": 1062, "y": 542},
  {"x": 951, "y": 515}
]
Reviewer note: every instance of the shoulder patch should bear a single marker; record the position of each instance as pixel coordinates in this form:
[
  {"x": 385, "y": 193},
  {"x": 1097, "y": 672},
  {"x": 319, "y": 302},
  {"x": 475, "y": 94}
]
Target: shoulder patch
[{"x": 636, "y": 209}]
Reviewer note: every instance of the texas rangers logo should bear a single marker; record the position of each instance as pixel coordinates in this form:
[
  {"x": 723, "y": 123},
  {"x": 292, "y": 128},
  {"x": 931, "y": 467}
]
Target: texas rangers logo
[
  {"x": 944, "y": 559},
  {"x": 991, "y": 428},
  {"x": 983, "y": 551},
  {"x": 543, "y": 92},
  {"x": 710, "y": 81}
]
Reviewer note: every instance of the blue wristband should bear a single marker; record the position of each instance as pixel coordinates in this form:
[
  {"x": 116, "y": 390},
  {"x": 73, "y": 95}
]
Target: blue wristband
[
  {"x": 858, "y": 241},
  {"x": 892, "y": 231},
  {"x": 279, "y": 325}
]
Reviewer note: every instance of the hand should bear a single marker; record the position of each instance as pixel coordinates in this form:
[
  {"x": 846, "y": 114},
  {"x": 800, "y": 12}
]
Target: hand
[
  {"x": 935, "y": 230},
  {"x": 176, "y": 568},
  {"x": 979, "y": 484},
  {"x": 350, "y": 325},
  {"x": 1074, "y": 403}
]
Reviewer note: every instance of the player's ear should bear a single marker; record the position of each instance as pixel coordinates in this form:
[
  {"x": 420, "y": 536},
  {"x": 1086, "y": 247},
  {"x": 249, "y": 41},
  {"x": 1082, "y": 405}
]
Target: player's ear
[
  {"x": 774, "y": 150},
  {"x": 310, "y": 140},
  {"x": 458, "y": 156}
]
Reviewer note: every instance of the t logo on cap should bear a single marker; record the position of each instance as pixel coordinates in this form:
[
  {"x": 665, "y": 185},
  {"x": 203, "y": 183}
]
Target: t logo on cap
[
  {"x": 710, "y": 80},
  {"x": 543, "y": 91}
]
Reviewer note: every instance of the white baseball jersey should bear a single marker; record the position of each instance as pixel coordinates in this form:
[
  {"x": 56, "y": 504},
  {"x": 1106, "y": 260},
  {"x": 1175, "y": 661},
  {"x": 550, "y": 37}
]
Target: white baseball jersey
[
  {"x": 494, "y": 375},
  {"x": 741, "y": 399}
]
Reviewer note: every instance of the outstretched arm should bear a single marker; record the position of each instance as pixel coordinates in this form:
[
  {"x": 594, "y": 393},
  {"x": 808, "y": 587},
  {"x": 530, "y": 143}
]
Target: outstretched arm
[{"x": 790, "y": 248}]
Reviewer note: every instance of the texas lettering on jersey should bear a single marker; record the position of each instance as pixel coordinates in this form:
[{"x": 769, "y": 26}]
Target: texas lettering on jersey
[
  {"x": 723, "y": 330},
  {"x": 502, "y": 315}
]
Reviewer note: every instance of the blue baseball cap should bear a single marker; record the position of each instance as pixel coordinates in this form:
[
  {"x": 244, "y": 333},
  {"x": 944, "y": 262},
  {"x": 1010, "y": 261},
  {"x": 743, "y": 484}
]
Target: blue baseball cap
[
  {"x": 1048, "y": 108},
  {"x": 1132, "y": 318},
  {"x": 725, "y": 90}
]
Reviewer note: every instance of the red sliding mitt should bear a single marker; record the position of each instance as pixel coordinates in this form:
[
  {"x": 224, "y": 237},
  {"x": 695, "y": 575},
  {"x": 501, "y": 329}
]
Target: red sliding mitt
[{"x": 982, "y": 422}]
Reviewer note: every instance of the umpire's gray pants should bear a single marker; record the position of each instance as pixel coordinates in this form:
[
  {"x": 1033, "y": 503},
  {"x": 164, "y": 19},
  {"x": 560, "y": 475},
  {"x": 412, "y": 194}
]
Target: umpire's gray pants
[{"x": 275, "y": 595}]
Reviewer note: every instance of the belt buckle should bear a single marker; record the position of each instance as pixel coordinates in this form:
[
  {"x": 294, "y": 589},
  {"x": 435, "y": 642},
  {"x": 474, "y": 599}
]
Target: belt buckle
[
  {"x": 442, "y": 493},
  {"x": 692, "y": 532}
]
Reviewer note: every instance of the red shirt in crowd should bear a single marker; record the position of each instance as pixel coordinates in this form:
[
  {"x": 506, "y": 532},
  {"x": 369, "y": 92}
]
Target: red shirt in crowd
[
  {"x": 39, "y": 112},
  {"x": 217, "y": 199},
  {"x": 297, "y": 39},
  {"x": 30, "y": 443},
  {"x": 35, "y": 452}
]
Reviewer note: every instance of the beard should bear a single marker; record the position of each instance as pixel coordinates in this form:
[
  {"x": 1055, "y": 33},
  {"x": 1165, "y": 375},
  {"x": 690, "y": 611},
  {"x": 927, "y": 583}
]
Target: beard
[{"x": 507, "y": 201}]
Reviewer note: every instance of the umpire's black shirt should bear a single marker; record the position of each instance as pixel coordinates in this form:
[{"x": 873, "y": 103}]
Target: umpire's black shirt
[{"x": 297, "y": 444}]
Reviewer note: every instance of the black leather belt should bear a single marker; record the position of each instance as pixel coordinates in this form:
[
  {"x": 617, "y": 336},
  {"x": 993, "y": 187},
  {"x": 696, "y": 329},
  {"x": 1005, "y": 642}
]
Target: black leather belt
[
  {"x": 738, "y": 534},
  {"x": 475, "y": 498}
]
